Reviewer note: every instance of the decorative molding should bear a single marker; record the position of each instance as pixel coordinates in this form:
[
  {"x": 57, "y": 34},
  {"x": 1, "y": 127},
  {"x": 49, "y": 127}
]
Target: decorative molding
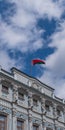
[
  {"x": 36, "y": 121},
  {"x": 21, "y": 115},
  {"x": 5, "y": 110},
  {"x": 14, "y": 112}
]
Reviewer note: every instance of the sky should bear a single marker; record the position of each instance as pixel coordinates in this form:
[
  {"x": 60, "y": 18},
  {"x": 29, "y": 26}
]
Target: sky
[{"x": 31, "y": 29}]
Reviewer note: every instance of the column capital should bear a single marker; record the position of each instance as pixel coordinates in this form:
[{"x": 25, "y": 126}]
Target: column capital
[
  {"x": 30, "y": 100},
  {"x": 30, "y": 118},
  {"x": 14, "y": 111}
]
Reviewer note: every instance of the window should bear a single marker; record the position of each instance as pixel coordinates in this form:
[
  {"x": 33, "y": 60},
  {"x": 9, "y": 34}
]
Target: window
[
  {"x": 3, "y": 122},
  {"x": 4, "y": 89},
  {"x": 47, "y": 107},
  {"x": 35, "y": 102},
  {"x": 35, "y": 127},
  {"x": 20, "y": 96},
  {"x": 58, "y": 112},
  {"x": 20, "y": 125}
]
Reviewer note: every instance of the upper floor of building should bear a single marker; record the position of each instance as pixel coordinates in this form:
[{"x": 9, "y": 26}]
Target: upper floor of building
[{"x": 28, "y": 92}]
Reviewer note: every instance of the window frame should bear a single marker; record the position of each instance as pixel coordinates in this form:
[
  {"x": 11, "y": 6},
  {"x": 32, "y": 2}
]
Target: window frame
[
  {"x": 36, "y": 125},
  {"x": 47, "y": 107},
  {"x": 58, "y": 112},
  {"x": 35, "y": 102},
  {"x": 4, "y": 121},
  {"x": 20, "y": 96},
  {"x": 22, "y": 126}
]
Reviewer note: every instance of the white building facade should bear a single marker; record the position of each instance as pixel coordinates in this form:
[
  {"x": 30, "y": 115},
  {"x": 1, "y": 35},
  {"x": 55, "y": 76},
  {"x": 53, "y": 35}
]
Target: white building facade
[{"x": 28, "y": 104}]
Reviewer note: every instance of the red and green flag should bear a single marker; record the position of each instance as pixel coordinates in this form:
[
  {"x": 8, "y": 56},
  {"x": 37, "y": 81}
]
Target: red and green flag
[{"x": 37, "y": 61}]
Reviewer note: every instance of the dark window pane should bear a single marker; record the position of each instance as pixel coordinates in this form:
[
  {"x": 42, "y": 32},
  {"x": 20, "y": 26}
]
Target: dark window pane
[
  {"x": 35, "y": 102},
  {"x": 4, "y": 89},
  {"x": 20, "y": 125},
  {"x": 21, "y": 96},
  {"x": 35, "y": 127}
]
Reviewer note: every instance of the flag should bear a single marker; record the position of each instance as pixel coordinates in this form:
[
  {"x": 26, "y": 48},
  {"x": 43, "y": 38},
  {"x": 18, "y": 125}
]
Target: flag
[{"x": 38, "y": 61}]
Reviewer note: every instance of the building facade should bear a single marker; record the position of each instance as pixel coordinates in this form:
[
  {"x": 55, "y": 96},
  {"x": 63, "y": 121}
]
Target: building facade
[{"x": 28, "y": 104}]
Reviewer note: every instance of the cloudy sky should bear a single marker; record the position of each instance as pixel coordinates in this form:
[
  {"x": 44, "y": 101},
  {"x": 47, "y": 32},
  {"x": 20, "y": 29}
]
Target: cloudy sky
[{"x": 32, "y": 29}]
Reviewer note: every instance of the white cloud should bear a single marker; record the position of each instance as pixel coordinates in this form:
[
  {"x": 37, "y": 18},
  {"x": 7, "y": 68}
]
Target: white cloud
[
  {"x": 5, "y": 60},
  {"x": 22, "y": 34},
  {"x": 21, "y": 40},
  {"x": 55, "y": 63},
  {"x": 40, "y": 7},
  {"x": 19, "y": 33}
]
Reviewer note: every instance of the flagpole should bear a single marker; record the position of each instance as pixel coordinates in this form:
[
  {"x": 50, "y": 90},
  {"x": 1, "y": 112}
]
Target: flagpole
[{"x": 31, "y": 69}]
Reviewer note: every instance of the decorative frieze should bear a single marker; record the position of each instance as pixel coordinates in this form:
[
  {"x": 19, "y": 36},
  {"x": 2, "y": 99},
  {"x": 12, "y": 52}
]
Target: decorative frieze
[
  {"x": 36, "y": 121},
  {"x": 5, "y": 110},
  {"x": 21, "y": 115}
]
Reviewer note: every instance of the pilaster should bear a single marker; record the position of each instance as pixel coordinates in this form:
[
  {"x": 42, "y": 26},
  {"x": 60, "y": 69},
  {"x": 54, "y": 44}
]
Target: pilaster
[
  {"x": 14, "y": 120},
  {"x": 43, "y": 111},
  {"x": 43, "y": 105},
  {"x": 30, "y": 104},
  {"x": 55, "y": 110}
]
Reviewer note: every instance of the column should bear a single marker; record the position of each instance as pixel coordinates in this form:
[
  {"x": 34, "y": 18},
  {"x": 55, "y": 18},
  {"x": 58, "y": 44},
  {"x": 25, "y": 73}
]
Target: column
[
  {"x": 9, "y": 120},
  {"x": 26, "y": 124},
  {"x": 14, "y": 120},
  {"x": 30, "y": 104},
  {"x": 43, "y": 105},
  {"x": 55, "y": 115},
  {"x": 44, "y": 125},
  {"x": 43, "y": 111}
]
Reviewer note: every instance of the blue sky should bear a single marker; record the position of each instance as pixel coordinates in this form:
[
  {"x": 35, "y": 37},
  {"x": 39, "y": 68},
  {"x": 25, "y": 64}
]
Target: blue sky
[{"x": 32, "y": 29}]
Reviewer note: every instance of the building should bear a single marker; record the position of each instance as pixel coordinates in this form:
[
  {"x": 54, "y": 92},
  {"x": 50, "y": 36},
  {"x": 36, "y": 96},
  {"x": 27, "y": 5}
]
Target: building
[{"x": 28, "y": 104}]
